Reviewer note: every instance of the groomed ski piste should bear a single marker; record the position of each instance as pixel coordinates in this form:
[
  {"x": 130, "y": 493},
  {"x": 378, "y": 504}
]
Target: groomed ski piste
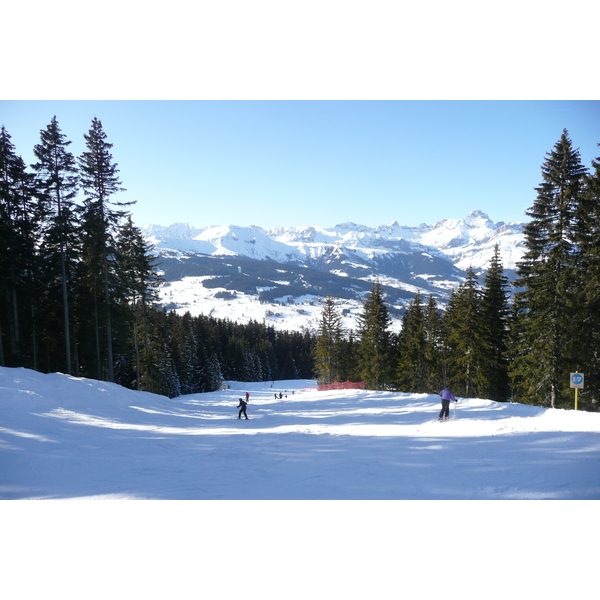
[
  {"x": 345, "y": 494},
  {"x": 62, "y": 437}
]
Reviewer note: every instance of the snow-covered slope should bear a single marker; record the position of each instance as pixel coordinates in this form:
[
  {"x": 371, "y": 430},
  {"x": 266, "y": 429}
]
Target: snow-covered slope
[
  {"x": 470, "y": 241},
  {"x": 64, "y": 437},
  {"x": 224, "y": 240}
]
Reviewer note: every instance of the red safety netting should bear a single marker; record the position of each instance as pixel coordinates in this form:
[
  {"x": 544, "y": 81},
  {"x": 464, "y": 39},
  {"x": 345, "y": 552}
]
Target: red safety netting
[{"x": 339, "y": 385}]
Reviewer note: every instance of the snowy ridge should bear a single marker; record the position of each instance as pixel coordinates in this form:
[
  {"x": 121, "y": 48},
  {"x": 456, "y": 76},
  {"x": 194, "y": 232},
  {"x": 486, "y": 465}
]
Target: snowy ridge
[
  {"x": 176, "y": 230},
  {"x": 224, "y": 240},
  {"x": 470, "y": 241},
  {"x": 466, "y": 242}
]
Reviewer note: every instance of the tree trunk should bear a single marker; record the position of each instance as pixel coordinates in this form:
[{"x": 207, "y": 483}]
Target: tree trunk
[
  {"x": 1, "y": 348},
  {"x": 97, "y": 332},
  {"x": 65, "y": 309},
  {"x": 109, "y": 348},
  {"x": 76, "y": 351},
  {"x": 15, "y": 338},
  {"x": 137, "y": 356},
  {"x": 33, "y": 338}
]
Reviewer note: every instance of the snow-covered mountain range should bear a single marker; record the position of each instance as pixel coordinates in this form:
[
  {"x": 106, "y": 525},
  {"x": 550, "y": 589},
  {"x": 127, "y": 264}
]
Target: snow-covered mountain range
[{"x": 232, "y": 271}]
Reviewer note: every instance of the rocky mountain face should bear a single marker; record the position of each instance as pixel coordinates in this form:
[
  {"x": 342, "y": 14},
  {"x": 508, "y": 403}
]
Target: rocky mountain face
[{"x": 211, "y": 270}]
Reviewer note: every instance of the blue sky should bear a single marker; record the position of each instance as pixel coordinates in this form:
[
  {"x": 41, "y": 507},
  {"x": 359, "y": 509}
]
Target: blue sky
[
  {"x": 299, "y": 163},
  {"x": 273, "y": 113}
]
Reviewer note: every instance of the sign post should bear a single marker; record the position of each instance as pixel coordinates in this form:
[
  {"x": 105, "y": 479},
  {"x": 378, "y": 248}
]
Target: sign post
[{"x": 577, "y": 381}]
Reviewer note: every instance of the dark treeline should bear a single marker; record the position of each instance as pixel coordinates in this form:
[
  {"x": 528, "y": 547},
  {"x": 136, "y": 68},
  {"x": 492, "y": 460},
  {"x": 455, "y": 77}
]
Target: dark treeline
[
  {"x": 195, "y": 354},
  {"x": 486, "y": 343},
  {"x": 78, "y": 285}
]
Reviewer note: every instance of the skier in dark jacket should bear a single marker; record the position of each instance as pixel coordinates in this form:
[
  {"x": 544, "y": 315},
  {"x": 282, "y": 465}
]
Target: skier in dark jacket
[
  {"x": 446, "y": 395},
  {"x": 243, "y": 405}
]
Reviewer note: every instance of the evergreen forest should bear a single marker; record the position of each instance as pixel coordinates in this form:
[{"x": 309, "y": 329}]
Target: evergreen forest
[
  {"x": 78, "y": 285},
  {"x": 78, "y": 294}
]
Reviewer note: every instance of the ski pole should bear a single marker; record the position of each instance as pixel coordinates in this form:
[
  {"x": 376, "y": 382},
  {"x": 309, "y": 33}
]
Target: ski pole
[{"x": 455, "y": 403}]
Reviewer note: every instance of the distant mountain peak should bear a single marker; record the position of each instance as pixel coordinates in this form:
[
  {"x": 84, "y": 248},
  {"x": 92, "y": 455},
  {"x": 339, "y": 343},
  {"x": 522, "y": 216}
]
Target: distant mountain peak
[
  {"x": 350, "y": 226},
  {"x": 175, "y": 230},
  {"x": 477, "y": 214}
]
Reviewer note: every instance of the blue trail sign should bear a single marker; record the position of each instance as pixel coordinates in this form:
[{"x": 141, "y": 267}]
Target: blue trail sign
[{"x": 577, "y": 380}]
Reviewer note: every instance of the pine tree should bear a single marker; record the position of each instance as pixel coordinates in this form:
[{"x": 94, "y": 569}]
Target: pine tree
[
  {"x": 99, "y": 181},
  {"x": 374, "y": 352},
  {"x": 213, "y": 369},
  {"x": 87, "y": 302},
  {"x": 57, "y": 173},
  {"x": 547, "y": 312},
  {"x": 170, "y": 384},
  {"x": 328, "y": 349},
  {"x": 586, "y": 341},
  {"x": 21, "y": 214},
  {"x": 252, "y": 365},
  {"x": 421, "y": 367},
  {"x": 412, "y": 348},
  {"x": 349, "y": 355},
  {"x": 138, "y": 281},
  {"x": 435, "y": 361},
  {"x": 465, "y": 339},
  {"x": 495, "y": 314}
]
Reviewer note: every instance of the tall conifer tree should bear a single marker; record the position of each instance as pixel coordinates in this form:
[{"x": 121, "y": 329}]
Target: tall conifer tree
[
  {"x": 434, "y": 347},
  {"x": 374, "y": 351},
  {"x": 328, "y": 349},
  {"x": 411, "y": 372},
  {"x": 138, "y": 281},
  {"x": 57, "y": 173},
  {"x": 465, "y": 338},
  {"x": 99, "y": 180},
  {"x": 21, "y": 214},
  {"x": 495, "y": 314},
  {"x": 548, "y": 274},
  {"x": 586, "y": 340}
]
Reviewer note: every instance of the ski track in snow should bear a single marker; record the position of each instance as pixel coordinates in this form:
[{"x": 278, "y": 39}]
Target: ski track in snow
[{"x": 64, "y": 437}]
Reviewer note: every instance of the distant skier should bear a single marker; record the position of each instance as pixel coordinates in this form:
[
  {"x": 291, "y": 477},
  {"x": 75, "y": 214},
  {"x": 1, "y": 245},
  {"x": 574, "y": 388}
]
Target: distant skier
[
  {"x": 247, "y": 397},
  {"x": 446, "y": 396},
  {"x": 243, "y": 405}
]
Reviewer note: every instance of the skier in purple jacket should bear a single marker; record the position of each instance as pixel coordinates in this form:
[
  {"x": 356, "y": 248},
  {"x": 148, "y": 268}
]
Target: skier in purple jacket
[{"x": 446, "y": 396}]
